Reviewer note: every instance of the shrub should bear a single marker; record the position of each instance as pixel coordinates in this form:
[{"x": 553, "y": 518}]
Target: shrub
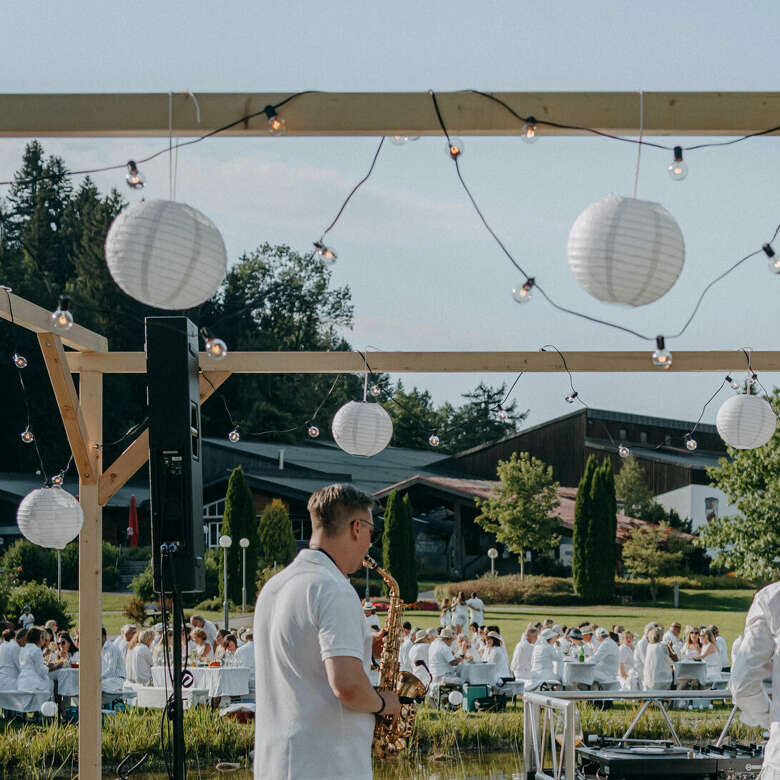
[
  {"x": 511, "y": 589},
  {"x": 136, "y": 611},
  {"x": 213, "y": 605},
  {"x": 277, "y": 543},
  {"x": 375, "y": 585},
  {"x": 44, "y": 604},
  {"x": 143, "y": 584},
  {"x": 266, "y": 574}
]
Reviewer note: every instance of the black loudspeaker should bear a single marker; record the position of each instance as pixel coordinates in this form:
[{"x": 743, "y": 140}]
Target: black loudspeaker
[{"x": 175, "y": 469}]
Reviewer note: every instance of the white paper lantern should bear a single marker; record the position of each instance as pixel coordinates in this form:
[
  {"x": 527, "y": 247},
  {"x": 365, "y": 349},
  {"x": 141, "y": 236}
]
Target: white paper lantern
[
  {"x": 746, "y": 422},
  {"x": 624, "y": 250},
  {"x": 50, "y": 517},
  {"x": 362, "y": 428},
  {"x": 166, "y": 254}
]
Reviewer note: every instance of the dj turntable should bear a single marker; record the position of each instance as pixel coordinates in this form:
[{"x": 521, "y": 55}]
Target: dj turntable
[{"x": 638, "y": 760}]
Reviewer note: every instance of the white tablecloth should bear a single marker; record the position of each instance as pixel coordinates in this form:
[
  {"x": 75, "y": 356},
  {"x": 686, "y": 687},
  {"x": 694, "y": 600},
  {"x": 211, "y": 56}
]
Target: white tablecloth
[
  {"x": 18, "y": 701},
  {"x": 691, "y": 669},
  {"x": 477, "y": 674},
  {"x": 218, "y": 680},
  {"x": 67, "y": 681},
  {"x": 148, "y": 696},
  {"x": 571, "y": 672}
]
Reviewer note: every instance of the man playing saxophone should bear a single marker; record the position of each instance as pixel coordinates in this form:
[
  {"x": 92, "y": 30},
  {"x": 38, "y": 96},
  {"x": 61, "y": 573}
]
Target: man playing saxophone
[{"x": 315, "y": 711}]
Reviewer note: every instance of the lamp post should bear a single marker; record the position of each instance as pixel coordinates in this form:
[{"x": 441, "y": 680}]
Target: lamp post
[
  {"x": 492, "y": 554},
  {"x": 224, "y": 543},
  {"x": 244, "y": 542}
]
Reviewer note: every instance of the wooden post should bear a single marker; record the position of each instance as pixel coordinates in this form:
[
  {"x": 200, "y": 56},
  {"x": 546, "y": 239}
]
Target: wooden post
[{"x": 90, "y": 585}]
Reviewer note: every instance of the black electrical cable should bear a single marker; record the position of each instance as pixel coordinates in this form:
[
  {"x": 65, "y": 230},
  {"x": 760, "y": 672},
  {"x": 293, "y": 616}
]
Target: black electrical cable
[{"x": 703, "y": 409}]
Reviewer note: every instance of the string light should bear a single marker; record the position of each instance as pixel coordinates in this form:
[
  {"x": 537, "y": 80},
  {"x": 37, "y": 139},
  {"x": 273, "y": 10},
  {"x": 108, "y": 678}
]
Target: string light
[
  {"x": 530, "y": 133},
  {"x": 328, "y": 254},
  {"x": 623, "y": 451},
  {"x": 691, "y": 444},
  {"x": 662, "y": 357},
  {"x": 61, "y": 316},
  {"x": 400, "y": 140},
  {"x": 434, "y": 440},
  {"x": 20, "y": 361},
  {"x": 571, "y": 397},
  {"x": 313, "y": 431},
  {"x": 135, "y": 179},
  {"x": 501, "y": 413},
  {"x": 276, "y": 124},
  {"x": 27, "y": 436},
  {"x": 234, "y": 435},
  {"x": 678, "y": 169},
  {"x": 733, "y": 382},
  {"x": 522, "y": 293},
  {"x": 774, "y": 262},
  {"x": 376, "y": 391},
  {"x": 454, "y": 148},
  {"x": 216, "y": 348},
  {"x": 58, "y": 480}
]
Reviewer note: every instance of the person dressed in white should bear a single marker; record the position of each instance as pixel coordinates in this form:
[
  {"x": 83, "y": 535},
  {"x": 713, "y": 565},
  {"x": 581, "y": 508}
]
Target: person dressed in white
[
  {"x": 371, "y": 618},
  {"x": 658, "y": 663},
  {"x": 605, "y": 658},
  {"x": 27, "y": 619},
  {"x": 722, "y": 647},
  {"x": 587, "y": 640},
  {"x": 523, "y": 654},
  {"x": 460, "y": 611},
  {"x": 9, "y": 660},
  {"x": 33, "y": 670},
  {"x": 418, "y": 656},
  {"x": 112, "y": 665},
  {"x": 756, "y": 660},
  {"x": 441, "y": 659},
  {"x": 476, "y": 609},
  {"x": 710, "y": 654},
  {"x": 626, "y": 672},
  {"x": 497, "y": 656},
  {"x": 673, "y": 637},
  {"x": 542, "y": 660},
  {"x": 445, "y": 616},
  {"x": 138, "y": 659},
  {"x": 245, "y": 656},
  {"x": 313, "y": 652},
  {"x": 197, "y": 621},
  {"x": 640, "y": 652},
  {"x": 406, "y": 646},
  {"x": 475, "y": 640},
  {"x": 118, "y": 640}
]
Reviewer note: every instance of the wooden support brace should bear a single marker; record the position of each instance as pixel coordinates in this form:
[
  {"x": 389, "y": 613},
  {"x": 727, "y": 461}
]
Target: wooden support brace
[
  {"x": 134, "y": 457},
  {"x": 68, "y": 403}
]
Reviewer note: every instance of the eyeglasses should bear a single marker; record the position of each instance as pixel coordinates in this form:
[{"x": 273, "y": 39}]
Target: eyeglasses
[{"x": 371, "y": 529}]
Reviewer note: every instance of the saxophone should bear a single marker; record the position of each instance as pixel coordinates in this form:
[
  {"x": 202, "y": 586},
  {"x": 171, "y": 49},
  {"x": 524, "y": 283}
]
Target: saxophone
[{"x": 391, "y": 734}]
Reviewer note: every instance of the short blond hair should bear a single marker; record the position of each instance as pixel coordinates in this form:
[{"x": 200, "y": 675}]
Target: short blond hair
[
  {"x": 329, "y": 505},
  {"x": 200, "y": 633}
]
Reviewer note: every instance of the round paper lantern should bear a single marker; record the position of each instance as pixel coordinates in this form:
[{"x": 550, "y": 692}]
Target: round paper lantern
[
  {"x": 362, "y": 428},
  {"x": 166, "y": 254},
  {"x": 50, "y": 517},
  {"x": 746, "y": 422},
  {"x": 624, "y": 250}
]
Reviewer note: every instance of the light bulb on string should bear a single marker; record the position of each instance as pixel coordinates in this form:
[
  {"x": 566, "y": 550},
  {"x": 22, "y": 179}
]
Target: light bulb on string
[
  {"x": 216, "y": 348},
  {"x": 570, "y": 398},
  {"x": 734, "y": 384},
  {"x": 455, "y": 148},
  {"x": 27, "y": 436},
  {"x": 522, "y": 293},
  {"x": 434, "y": 440},
  {"x": 400, "y": 140},
  {"x": 501, "y": 413},
  {"x": 276, "y": 124},
  {"x": 678, "y": 170},
  {"x": 58, "y": 480},
  {"x": 691, "y": 444},
  {"x": 313, "y": 431},
  {"x": 774, "y": 261},
  {"x": 376, "y": 391},
  {"x": 234, "y": 435},
  {"x": 662, "y": 357},
  {"x": 20, "y": 361},
  {"x": 328, "y": 254},
  {"x": 135, "y": 179},
  {"x": 623, "y": 451},
  {"x": 530, "y": 133},
  {"x": 61, "y": 317}
]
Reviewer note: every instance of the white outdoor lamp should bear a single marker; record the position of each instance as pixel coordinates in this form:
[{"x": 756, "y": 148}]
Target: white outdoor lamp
[
  {"x": 225, "y": 542},
  {"x": 492, "y": 553},
  {"x": 244, "y": 542}
]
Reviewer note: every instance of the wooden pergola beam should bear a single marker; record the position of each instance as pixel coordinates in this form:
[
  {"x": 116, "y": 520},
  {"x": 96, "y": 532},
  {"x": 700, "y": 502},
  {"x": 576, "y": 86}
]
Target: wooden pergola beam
[
  {"x": 386, "y": 113},
  {"x": 38, "y": 320},
  {"x": 437, "y": 362},
  {"x": 134, "y": 457},
  {"x": 68, "y": 403}
]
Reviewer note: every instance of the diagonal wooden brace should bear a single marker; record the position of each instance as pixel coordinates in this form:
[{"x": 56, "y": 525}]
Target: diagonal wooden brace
[
  {"x": 68, "y": 403},
  {"x": 134, "y": 457}
]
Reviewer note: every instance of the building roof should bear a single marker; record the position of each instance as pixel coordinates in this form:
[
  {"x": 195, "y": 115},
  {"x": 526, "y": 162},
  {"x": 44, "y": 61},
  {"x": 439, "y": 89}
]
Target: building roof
[
  {"x": 667, "y": 454},
  {"x": 16, "y": 486}
]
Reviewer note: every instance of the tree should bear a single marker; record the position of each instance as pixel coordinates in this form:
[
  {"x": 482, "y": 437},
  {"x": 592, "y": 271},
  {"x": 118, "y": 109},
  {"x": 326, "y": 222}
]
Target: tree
[
  {"x": 601, "y": 545},
  {"x": 239, "y": 522},
  {"x": 414, "y": 418},
  {"x": 631, "y": 486},
  {"x": 395, "y": 546},
  {"x": 411, "y": 584},
  {"x": 644, "y": 556},
  {"x": 582, "y": 564},
  {"x": 277, "y": 543},
  {"x": 749, "y": 542},
  {"x": 521, "y": 511}
]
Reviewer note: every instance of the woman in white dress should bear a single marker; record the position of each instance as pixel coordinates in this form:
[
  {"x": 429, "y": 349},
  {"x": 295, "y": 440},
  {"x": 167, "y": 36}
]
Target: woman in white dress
[
  {"x": 9, "y": 659},
  {"x": 33, "y": 671},
  {"x": 691, "y": 648},
  {"x": 203, "y": 650},
  {"x": 497, "y": 656},
  {"x": 626, "y": 673},
  {"x": 460, "y": 611},
  {"x": 542, "y": 660},
  {"x": 67, "y": 652},
  {"x": 658, "y": 663},
  {"x": 710, "y": 654},
  {"x": 138, "y": 660},
  {"x": 445, "y": 618}
]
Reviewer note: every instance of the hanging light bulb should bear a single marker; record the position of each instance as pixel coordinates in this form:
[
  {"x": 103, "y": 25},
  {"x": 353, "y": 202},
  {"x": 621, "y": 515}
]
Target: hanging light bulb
[
  {"x": 376, "y": 391},
  {"x": 455, "y": 148},
  {"x": 61, "y": 317},
  {"x": 530, "y": 133},
  {"x": 678, "y": 170},
  {"x": 522, "y": 293},
  {"x": 734, "y": 384},
  {"x": 434, "y": 440},
  {"x": 691, "y": 444},
  {"x": 276, "y": 124},
  {"x": 501, "y": 413},
  {"x": 20, "y": 361},
  {"x": 28, "y": 437},
  {"x": 623, "y": 451},
  {"x": 234, "y": 435},
  {"x": 313, "y": 431},
  {"x": 135, "y": 179},
  {"x": 774, "y": 262},
  {"x": 662, "y": 357},
  {"x": 571, "y": 396},
  {"x": 216, "y": 348},
  {"x": 325, "y": 252},
  {"x": 58, "y": 480},
  {"x": 400, "y": 140}
]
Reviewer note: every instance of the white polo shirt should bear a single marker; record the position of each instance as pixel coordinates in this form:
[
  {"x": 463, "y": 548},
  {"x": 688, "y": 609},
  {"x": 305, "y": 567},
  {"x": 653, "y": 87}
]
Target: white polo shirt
[
  {"x": 439, "y": 657},
  {"x": 307, "y": 613}
]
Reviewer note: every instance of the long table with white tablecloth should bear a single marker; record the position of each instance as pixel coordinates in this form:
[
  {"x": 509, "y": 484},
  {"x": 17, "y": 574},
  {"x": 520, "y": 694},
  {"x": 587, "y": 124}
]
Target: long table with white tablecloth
[{"x": 218, "y": 680}]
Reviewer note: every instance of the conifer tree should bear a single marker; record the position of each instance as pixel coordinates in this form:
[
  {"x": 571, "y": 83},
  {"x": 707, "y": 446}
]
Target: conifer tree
[
  {"x": 601, "y": 538},
  {"x": 409, "y": 592},
  {"x": 582, "y": 565},
  {"x": 277, "y": 543},
  {"x": 395, "y": 541}
]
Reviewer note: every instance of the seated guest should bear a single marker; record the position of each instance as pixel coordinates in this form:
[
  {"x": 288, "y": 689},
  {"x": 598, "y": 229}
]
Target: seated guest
[
  {"x": 673, "y": 636},
  {"x": 524, "y": 650},
  {"x": 9, "y": 658},
  {"x": 203, "y": 651},
  {"x": 245, "y": 655},
  {"x": 626, "y": 674},
  {"x": 576, "y": 647},
  {"x": 229, "y": 645},
  {"x": 543, "y": 658},
  {"x": 112, "y": 665},
  {"x": 441, "y": 658},
  {"x": 495, "y": 630},
  {"x": 138, "y": 659},
  {"x": 197, "y": 621},
  {"x": 418, "y": 656},
  {"x": 497, "y": 656},
  {"x": 691, "y": 650},
  {"x": 463, "y": 649},
  {"x": 722, "y": 646},
  {"x": 658, "y": 662},
  {"x": 33, "y": 670},
  {"x": 587, "y": 639},
  {"x": 127, "y": 634},
  {"x": 710, "y": 654},
  {"x": 67, "y": 652},
  {"x": 605, "y": 658},
  {"x": 219, "y": 644},
  {"x": 475, "y": 639},
  {"x": 27, "y": 619},
  {"x": 640, "y": 652}
]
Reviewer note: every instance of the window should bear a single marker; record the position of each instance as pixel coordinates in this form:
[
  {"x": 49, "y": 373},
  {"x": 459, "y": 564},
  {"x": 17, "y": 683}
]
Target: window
[
  {"x": 643, "y": 437},
  {"x": 667, "y": 439},
  {"x": 212, "y": 521}
]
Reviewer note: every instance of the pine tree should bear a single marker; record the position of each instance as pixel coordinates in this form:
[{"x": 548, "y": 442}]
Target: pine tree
[
  {"x": 601, "y": 538},
  {"x": 277, "y": 543},
  {"x": 610, "y": 541},
  {"x": 395, "y": 542},
  {"x": 582, "y": 565},
  {"x": 409, "y": 594},
  {"x": 239, "y": 522}
]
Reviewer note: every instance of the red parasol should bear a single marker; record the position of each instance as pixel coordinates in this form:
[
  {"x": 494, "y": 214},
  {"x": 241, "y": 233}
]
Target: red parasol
[{"x": 132, "y": 524}]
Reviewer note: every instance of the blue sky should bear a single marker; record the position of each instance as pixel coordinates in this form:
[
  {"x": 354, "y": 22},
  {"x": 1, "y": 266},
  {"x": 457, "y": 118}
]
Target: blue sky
[{"x": 423, "y": 272}]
